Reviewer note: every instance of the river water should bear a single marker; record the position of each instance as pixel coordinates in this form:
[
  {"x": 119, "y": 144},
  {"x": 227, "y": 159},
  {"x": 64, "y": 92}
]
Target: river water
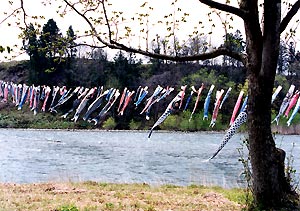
[{"x": 31, "y": 156}]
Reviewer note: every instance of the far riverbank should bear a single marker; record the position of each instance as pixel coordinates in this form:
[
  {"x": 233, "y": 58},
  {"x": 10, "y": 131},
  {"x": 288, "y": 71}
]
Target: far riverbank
[{"x": 293, "y": 129}]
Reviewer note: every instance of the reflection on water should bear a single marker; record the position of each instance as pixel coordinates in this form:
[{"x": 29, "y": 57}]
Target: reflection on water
[{"x": 28, "y": 156}]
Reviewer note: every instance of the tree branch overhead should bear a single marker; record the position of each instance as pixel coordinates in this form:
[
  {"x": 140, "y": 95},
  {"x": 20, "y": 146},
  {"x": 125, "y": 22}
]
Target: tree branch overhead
[
  {"x": 224, "y": 7},
  {"x": 292, "y": 12}
]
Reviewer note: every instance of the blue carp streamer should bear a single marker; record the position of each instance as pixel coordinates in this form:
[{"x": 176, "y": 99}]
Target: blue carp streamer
[{"x": 207, "y": 101}]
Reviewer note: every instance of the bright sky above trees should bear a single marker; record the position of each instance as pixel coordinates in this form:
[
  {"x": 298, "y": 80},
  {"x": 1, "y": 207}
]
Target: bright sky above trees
[{"x": 196, "y": 11}]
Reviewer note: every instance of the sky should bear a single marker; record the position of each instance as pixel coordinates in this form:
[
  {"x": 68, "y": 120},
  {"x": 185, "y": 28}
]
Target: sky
[
  {"x": 9, "y": 35},
  {"x": 197, "y": 12}
]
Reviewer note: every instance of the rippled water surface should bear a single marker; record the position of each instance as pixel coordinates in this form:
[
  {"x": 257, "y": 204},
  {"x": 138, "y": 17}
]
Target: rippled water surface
[{"x": 29, "y": 156}]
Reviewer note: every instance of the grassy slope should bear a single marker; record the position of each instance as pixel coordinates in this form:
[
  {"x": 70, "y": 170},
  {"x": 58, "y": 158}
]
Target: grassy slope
[{"x": 90, "y": 196}]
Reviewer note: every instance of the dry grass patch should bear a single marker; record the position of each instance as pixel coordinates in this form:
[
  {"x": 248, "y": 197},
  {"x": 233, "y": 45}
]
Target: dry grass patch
[{"x": 90, "y": 196}]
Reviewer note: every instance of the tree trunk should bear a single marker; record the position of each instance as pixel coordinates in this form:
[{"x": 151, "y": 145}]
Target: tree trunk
[
  {"x": 270, "y": 186},
  {"x": 269, "y": 182}
]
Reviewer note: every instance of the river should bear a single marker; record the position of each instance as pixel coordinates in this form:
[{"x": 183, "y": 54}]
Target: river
[{"x": 32, "y": 156}]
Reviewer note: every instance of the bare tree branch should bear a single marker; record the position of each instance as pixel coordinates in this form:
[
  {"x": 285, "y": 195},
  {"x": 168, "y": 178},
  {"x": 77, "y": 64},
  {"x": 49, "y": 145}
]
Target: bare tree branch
[
  {"x": 106, "y": 19},
  {"x": 11, "y": 14},
  {"x": 226, "y": 8},
  {"x": 24, "y": 12},
  {"x": 93, "y": 29},
  {"x": 93, "y": 9},
  {"x": 88, "y": 45},
  {"x": 116, "y": 45},
  {"x": 15, "y": 11},
  {"x": 291, "y": 13},
  {"x": 203, "y": 56}
]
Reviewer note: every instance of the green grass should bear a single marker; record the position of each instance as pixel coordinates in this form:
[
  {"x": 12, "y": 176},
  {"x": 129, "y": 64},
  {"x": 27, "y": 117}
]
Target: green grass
[{"x": 90, "y": 196}]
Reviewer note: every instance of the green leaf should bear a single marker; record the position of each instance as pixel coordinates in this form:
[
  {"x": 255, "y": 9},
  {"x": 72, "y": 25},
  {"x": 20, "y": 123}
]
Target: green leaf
[{"x": 2, "y": 49}]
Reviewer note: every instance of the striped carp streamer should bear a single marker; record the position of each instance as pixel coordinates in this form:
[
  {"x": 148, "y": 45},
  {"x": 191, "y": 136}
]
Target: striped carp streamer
[
  {"x": 207, "y": 101},
  {"x": 99, "y": 91},
  {"x": 244, "y": 105},
  {"x": 284, "y": 103},
  {"x": 65, "y": 96},
  {"x": 78, "y": 97},
  {"x": 173, "y": 105},
  {"x": 83, "y": 103},
  {"x": 18, "y": 92},
  {"x": 188, "y": 100},
  {"x": 295, "y": 111},
  {"x": 69, "y": 96},
  {"x": 81, "y": 94},
  {"x": 114, "y": 94},
  {"x": 241, "y": 119},
  {"x": 47, "y": 93},
  {"x": 122, "y": 99},
  {"x": 96, "y": 104},
  {"x": 197, "y": 99},
  {"x": 137, "y": 93},
  {"x": 292, "y": 103},
  {"x": 142, "y": 95},
  {"x": 2, "y": 84},
  {"x": 31, "y": 95},
  {"x": 216, "y": 108},
  {"x": 36, "y": 99},
  {"x": 126, "y": 101},
  {"x": 24, "y": 96},
  {"x": 183, "y": 88},
  {"x": 54, "y": 94},
  {"x": 276, "y": 92},
  {"x": 63, "y": 93},
  {"x": 166, "y": 92},
  {"x": 225, "y": 97},
  {"x": 236, "y": 107},
  {"x": 5, "y": 92},
  {"x": 152, "y": 98}
]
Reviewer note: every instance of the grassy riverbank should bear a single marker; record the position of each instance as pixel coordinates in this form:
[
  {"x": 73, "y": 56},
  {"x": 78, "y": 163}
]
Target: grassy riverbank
[{"x": 92, "y": 196}]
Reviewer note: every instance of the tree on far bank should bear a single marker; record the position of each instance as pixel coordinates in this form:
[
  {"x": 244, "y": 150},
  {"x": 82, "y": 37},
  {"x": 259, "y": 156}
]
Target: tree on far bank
[
  {"x": 70, "y": 43},
  {"x": 31, "y": 45},
  {"x": 48, "y": 50}
]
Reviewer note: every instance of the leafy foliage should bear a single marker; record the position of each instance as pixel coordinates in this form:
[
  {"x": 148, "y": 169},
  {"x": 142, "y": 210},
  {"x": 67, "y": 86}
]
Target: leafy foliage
[
  {"x": 47, "y": 50},
  {"x": 109, "y": 124}
]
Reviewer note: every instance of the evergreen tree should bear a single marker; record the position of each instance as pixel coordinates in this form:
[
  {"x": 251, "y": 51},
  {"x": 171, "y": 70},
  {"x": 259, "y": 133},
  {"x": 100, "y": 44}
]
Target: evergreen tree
[
  {"x": 70, "y": 43},
  {"x": 31, "y": 46},
  {"x": 50, "y": 40}
]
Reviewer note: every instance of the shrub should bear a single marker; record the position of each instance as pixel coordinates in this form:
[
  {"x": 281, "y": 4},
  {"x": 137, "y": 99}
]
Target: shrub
[
  {"x": 170, "y": 123},
  {"x": 109, "y": 124},
  {"x": 134, "y": 125}
]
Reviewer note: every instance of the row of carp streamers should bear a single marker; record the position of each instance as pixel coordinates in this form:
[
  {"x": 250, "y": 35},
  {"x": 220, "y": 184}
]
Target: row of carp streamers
[{"x": 90, "y": 99}]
